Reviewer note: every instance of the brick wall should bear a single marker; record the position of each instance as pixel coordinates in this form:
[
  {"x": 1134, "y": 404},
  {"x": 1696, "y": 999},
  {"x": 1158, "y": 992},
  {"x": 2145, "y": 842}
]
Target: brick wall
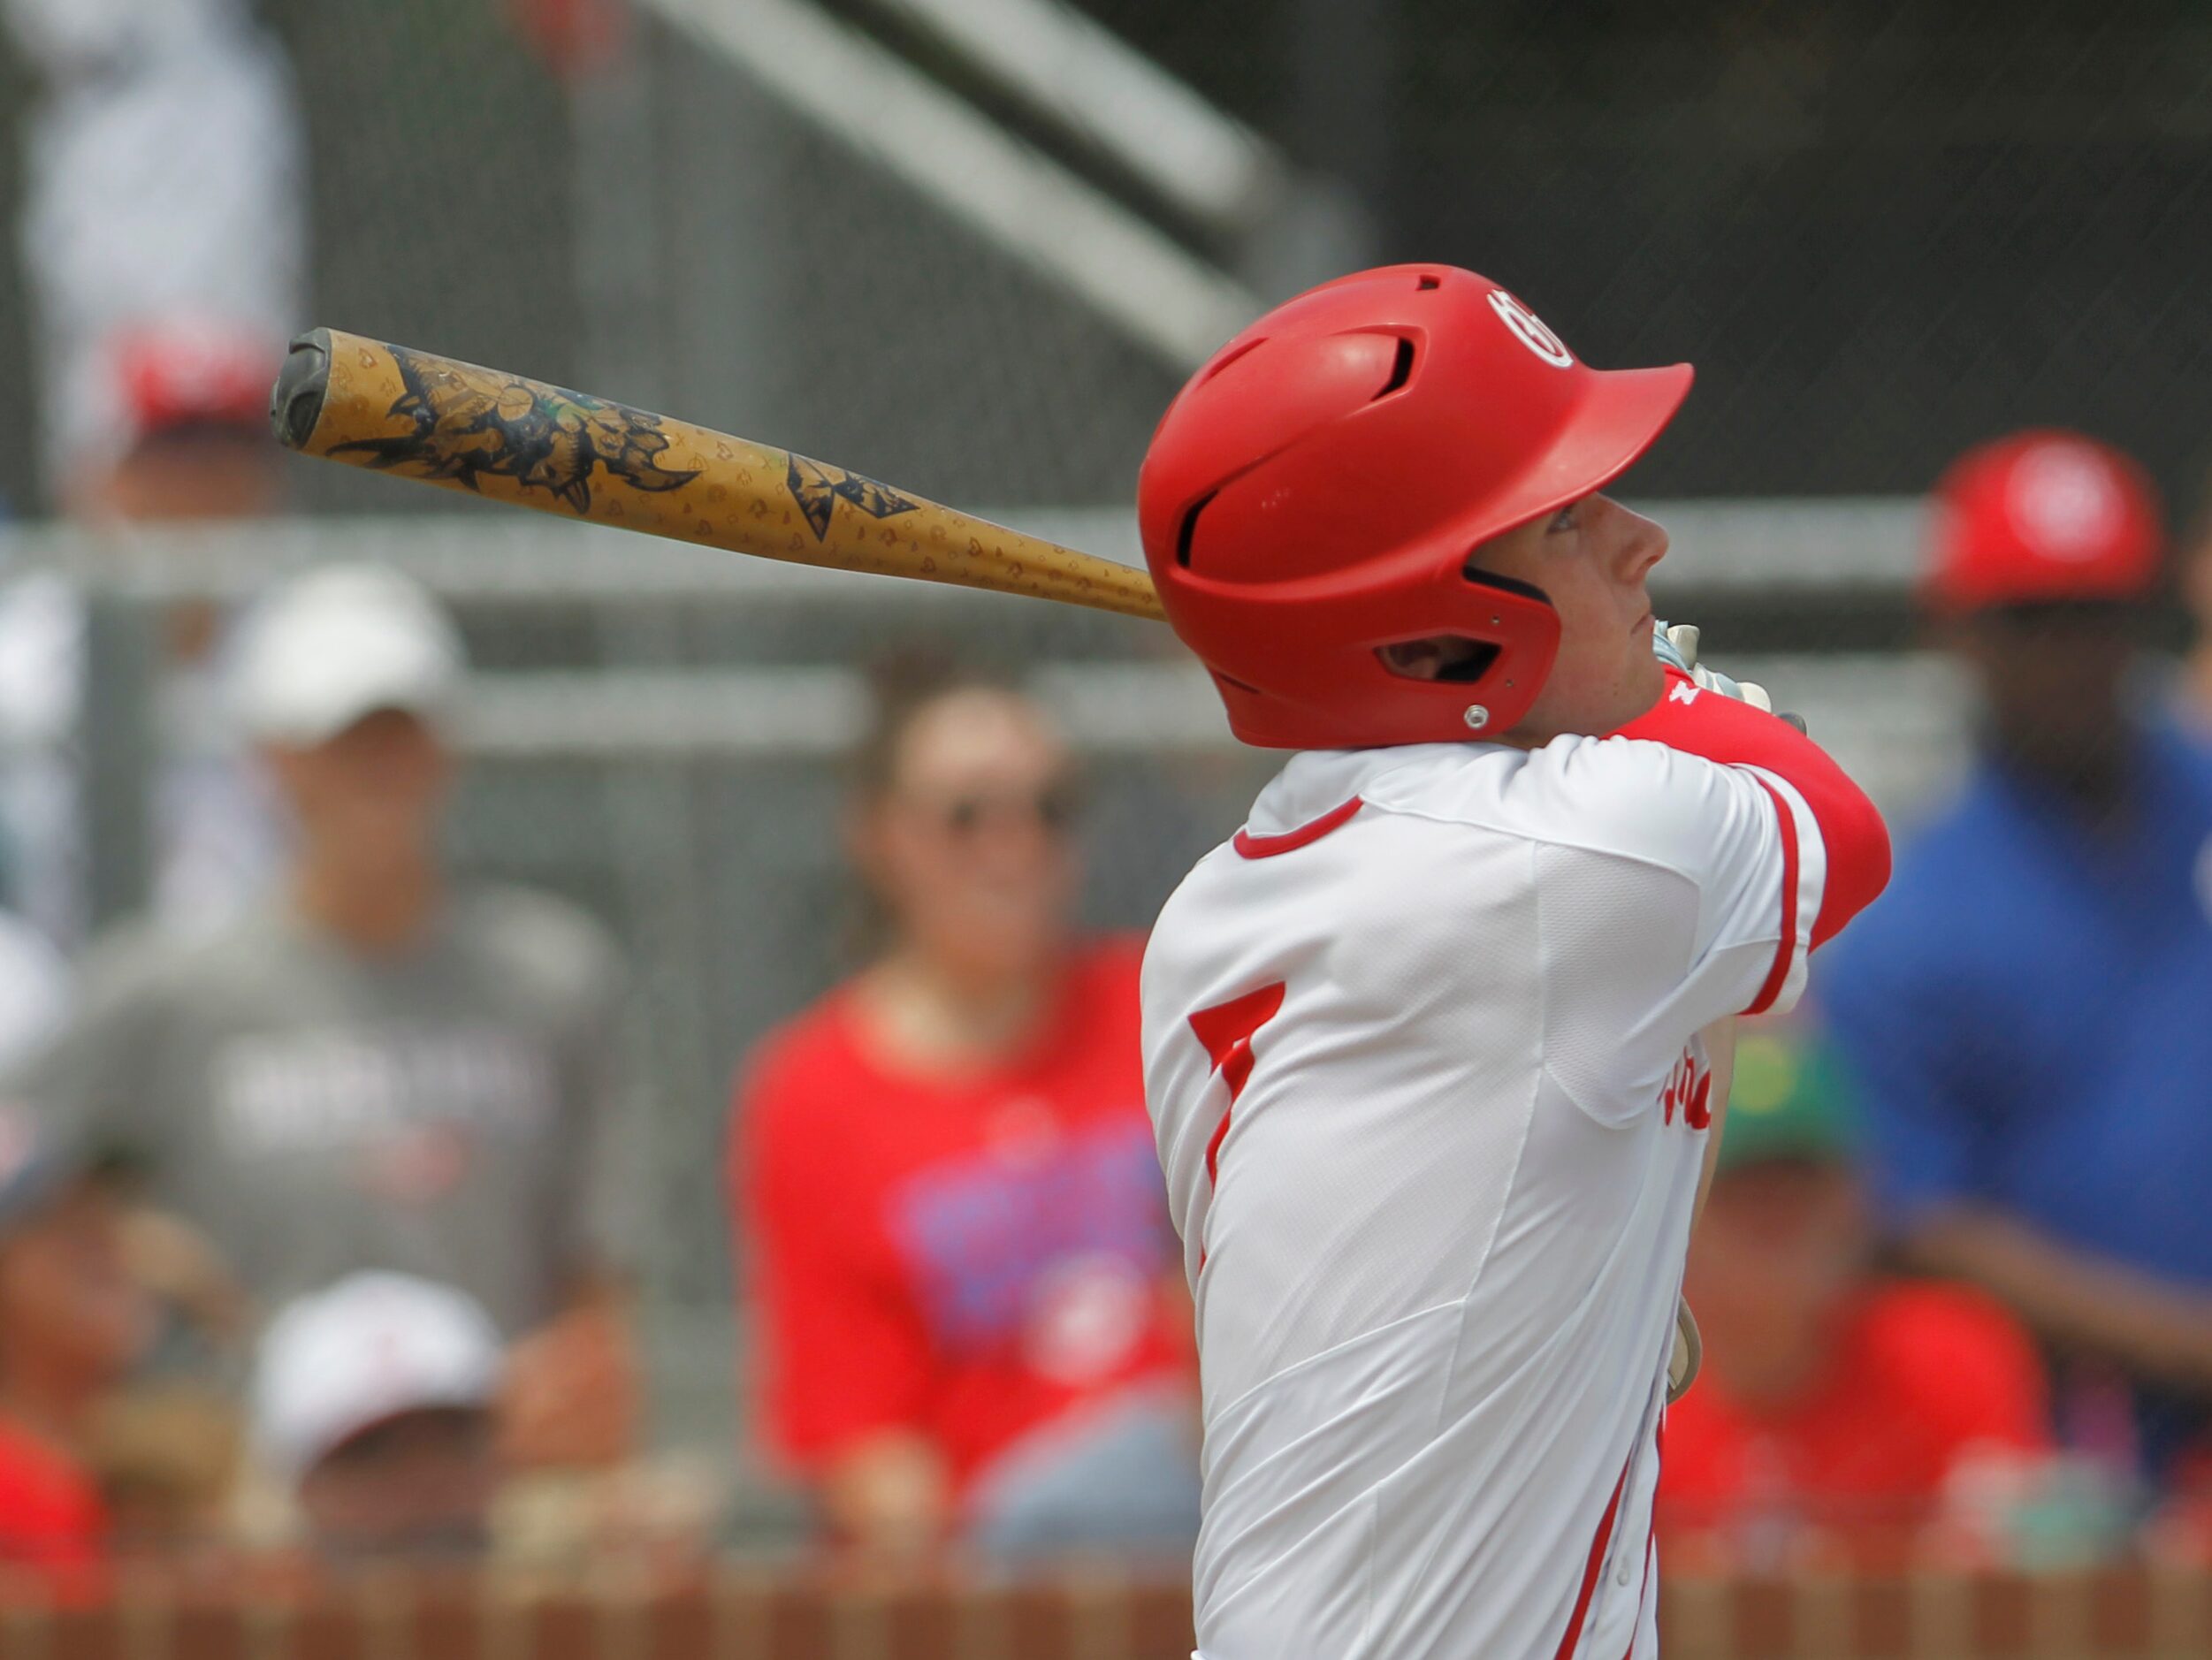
[{"x": 757, "y": 1613}]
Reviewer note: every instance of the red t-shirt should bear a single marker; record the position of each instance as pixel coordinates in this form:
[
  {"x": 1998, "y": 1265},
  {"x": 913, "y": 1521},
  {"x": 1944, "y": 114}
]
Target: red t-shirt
[
  {"x": 969, "y": 1259},
  {"x": 1923, "y": 1373},
  {"x": 51, "y": 1514}
]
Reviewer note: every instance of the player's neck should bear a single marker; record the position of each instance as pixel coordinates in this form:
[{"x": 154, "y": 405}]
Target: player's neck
[
  {"x": 924, "y": 1019},
  {"x": 2095, "y": 781},
  {"x": 376, "y": 909}
]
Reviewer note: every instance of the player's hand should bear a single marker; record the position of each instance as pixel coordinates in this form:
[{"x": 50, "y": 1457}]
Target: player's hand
[{"x": 1677, "y": 645}]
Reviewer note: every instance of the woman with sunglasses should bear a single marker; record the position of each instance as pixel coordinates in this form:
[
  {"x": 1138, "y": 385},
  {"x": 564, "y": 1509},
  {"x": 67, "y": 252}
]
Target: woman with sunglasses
[{"x": 970, "y": 1322}]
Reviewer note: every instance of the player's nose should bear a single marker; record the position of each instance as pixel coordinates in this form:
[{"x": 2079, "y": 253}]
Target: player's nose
[{"x": 1639, "y": 543}]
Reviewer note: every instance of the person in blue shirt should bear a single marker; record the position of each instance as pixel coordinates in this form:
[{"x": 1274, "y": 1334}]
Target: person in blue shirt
[{"x": 2029, "y": 1007}]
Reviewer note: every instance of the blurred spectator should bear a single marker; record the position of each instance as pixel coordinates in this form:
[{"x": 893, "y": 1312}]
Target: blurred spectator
[
  {"x": 165, "y": 243},
  {"x": 163, "y": 234},
  {"x": 71, "y": 1323},
  {"x": 2027, "y": 1006},
  {"x": 373, "y": 1070},
  {"x": 1835, "y": 1406},
  {"x": 374, "y": 1404},
  {"x": 573, "y": 38},
  {"x": 972, "y": 1321}
]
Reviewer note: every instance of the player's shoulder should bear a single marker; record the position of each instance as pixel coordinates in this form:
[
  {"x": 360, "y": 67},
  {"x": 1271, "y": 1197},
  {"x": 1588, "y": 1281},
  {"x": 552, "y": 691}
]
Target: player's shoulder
[
  {"x": 539, "y": 940},
  {"x": 1626, "y": 797},
  {"x": 1944, "y": 1330},
  {"x": 1957, "y": 886},
  {"x": 141, "y": 963},
  {"x": 803, "y": 1056}
]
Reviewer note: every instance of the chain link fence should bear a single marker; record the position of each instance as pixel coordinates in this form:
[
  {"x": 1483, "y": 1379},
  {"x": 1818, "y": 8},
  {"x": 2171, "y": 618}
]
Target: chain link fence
[{"x": 1881, "y": 230}]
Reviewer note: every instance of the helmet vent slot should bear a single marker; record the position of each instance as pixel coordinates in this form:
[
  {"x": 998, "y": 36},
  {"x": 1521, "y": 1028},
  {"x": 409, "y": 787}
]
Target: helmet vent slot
[
  {"x": 1228, "y": 358},
  {"x": 1400, "y": 370},
  {"x": 1190, "y": 529},
  {"x": 1482, "y": 578},
  {"x": 1430, "y": 282}
]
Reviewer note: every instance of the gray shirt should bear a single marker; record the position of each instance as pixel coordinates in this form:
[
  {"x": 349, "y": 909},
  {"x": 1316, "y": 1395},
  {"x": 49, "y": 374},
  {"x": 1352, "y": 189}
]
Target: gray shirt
[{"x": 450, "y": 1112}]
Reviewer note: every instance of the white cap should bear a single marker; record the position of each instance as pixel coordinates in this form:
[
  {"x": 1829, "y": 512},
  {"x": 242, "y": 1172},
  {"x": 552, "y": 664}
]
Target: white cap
[
  {"x": 343, "y": 641},
  {"x": 368, "y": 1349}
]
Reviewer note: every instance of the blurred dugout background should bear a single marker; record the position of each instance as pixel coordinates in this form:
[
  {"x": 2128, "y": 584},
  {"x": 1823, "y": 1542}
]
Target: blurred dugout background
[{"x": 971, "y": 246}]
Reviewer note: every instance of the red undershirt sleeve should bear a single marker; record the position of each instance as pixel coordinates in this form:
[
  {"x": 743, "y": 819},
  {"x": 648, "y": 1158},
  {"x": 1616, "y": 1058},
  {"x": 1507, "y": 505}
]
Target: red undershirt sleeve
[{"x": 1733, "y": 734}]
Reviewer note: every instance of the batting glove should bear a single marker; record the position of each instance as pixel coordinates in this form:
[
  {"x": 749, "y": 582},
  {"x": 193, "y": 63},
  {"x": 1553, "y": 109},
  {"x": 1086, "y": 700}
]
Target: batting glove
[{"x": 1678, "y": 646}]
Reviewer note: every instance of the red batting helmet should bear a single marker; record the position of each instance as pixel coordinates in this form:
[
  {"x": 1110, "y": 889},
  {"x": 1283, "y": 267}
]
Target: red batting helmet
[{"x": 1313, "y": 494}]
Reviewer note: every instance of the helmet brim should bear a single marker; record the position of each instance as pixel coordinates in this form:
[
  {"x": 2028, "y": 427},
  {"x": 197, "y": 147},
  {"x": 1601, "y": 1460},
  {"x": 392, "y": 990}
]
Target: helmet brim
[{"x": 1619, "y": 417}]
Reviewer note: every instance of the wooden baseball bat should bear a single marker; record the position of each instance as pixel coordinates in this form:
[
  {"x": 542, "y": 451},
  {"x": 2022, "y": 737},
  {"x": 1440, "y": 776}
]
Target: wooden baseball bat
[{"x": 347, "y": 399}]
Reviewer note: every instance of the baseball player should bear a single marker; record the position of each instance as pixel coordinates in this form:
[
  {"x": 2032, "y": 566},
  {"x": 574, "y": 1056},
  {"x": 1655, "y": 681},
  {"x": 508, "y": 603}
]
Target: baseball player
[{"x": 1433, "y": 1048}]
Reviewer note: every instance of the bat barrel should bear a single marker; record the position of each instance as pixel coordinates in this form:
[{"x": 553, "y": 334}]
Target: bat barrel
[
  {"x": 340, "y": 397},
  {"x": 295, "y": 403}
]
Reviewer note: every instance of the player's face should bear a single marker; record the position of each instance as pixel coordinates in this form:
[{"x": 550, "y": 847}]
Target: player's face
[
  {"x": 372, "y": 793},
  {"x": 1780, "y": 1247},
  {"x": 418, "y": 1485},
  {"x": 971, "y": 848},
  {"x": 68, "y": 1302},
  {"x": 1592, "y": 558},
  {"x": 2053, "y": 684}
]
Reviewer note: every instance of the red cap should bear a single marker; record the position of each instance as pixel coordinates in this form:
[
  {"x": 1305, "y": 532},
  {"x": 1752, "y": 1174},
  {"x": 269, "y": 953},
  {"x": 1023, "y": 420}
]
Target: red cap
[
  {"x": 1314, "y": 492},
  {"x": 189, "y": 373},
  {"x": 2041, "y": 516}
]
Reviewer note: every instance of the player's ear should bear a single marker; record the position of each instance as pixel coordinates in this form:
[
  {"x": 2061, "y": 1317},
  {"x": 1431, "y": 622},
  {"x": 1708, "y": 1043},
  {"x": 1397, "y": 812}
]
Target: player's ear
[{"x": 1447, "y": 657}]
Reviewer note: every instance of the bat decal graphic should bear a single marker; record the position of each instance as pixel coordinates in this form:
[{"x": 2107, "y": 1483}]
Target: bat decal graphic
[
  {"x": 466, "y": 423},
  {"x": 818, "y": 489}
]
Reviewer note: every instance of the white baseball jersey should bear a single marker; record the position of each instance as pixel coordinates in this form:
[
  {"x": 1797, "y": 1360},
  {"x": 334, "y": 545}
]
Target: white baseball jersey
[{"x": 1420, "y": 1052}]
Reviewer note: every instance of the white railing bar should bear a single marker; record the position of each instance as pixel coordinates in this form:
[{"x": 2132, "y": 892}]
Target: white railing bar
[
  {"x": 1066, "y": 67},
  {"x": 1157, "y": 292}
]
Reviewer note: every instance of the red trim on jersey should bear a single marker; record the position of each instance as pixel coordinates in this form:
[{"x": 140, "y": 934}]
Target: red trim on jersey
[
  {"x": 1787, "y": 822},
  {"x": 1650, "y": 1532},
  {"x": 1213, "y": 1148},
  {"x": 1595, "y": 1566},
  {"x": 1736, "y": 734},
  {"x": 1267, "y": 847},
  {"x": 1226, "y": 1030}
]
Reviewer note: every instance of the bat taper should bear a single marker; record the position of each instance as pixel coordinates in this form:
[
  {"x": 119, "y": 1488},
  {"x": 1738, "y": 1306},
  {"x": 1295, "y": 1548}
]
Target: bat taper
[{"x": 343, "y": 398}]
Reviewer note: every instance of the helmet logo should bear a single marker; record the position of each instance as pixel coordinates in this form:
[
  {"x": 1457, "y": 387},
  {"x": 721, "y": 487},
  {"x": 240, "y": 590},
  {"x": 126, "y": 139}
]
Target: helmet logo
[
  {"x": 2064, "y": 501},
  {"x": 1529, "y": 330}
]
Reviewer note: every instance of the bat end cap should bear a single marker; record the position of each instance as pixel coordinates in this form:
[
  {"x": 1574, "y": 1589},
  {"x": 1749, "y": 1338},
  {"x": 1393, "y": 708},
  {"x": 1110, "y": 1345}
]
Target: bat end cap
[{"x": 295, "y": 403}]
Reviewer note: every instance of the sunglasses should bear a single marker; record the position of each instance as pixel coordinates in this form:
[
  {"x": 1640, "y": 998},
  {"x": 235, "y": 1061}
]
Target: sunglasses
[{"x": 1054, "y": 809}]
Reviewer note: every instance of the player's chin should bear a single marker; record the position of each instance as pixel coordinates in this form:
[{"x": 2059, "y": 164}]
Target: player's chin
[{"x": 1643, "y": 680}]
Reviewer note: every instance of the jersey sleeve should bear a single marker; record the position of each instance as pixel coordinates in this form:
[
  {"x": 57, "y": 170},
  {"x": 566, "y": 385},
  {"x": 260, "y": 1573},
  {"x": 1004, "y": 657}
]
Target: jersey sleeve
[
  {"x": 1672, "y": 890},
  {"x": 838, "y": 1350},
  {"x": 1822, "y": 801}
]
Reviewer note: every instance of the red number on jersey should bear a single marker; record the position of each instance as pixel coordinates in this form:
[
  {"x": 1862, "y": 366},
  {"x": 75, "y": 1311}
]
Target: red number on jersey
[{"x": 1226, "y": 1031}]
